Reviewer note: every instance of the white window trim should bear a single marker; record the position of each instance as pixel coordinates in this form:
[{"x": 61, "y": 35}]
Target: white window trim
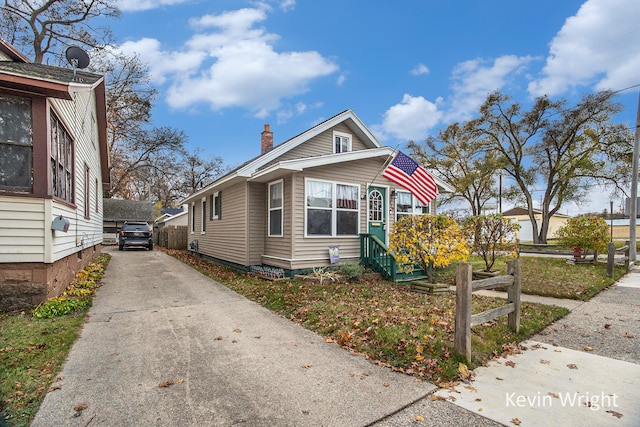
[
  {"x": 281, "y": 209},
  {"x": 414, "y": 206},
  {"x": 334, "y": 209},
  {"x": 214, "y": 206},
  {"x": 342, "y": 135},
  {"x": 193, "y": 217},
  {"x": 203, "y": 220}
]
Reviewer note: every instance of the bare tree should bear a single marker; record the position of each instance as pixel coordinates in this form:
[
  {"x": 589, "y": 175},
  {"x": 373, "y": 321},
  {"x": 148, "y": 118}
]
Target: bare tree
[
  {"x": 38, "y": 27},
  {"x": 458, "y": 158},
  {"x": 561, "y": 150}
]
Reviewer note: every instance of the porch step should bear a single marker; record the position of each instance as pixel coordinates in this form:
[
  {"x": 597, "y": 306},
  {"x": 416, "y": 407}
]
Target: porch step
[
  {"x": 410, "y": 279},
  {"x": 429, "y": 288}
]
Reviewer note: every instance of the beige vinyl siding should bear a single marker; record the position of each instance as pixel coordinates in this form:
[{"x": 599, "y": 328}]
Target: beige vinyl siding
[
  {"x": 224, "y": 238},
  {"x": 78, "y": 117},
  {"x": 280, "y": 247},
  {"x": 22, "y": 228},
  {"x": 257, "y": 230},
  {"x": 314, "y": 251},
  {"x": 322, "y": 144}
]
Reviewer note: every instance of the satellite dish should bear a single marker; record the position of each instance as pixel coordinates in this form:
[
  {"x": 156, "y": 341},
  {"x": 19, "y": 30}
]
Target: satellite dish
[{"x": 77, "y": 57}]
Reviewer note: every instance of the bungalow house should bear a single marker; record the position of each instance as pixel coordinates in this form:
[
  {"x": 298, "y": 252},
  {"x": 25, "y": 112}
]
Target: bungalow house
[
  {"x": 521, "y": 216},
  {"x": 54, "y": 166},
  {"x": 287, "y": 207}
]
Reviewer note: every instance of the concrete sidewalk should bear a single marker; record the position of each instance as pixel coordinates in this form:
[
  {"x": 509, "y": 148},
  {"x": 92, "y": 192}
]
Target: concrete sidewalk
[
  {"x": 166, "y": 346},
  {"x": 582, "y": 370}
]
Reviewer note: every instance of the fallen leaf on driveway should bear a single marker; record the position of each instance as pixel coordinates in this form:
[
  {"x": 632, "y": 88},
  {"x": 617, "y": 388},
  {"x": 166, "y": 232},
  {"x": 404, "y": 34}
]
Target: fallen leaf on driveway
[
  {"x": 463, "y": 370},
  {"x": 306, "y": 366},
  {"x": 554, "y": 395},
  {"x": 386, "y": 384},
  {"x": 499, "y": 379},
  {"x": 80, "y": 407},
  {"x": 572, "y": 366},
  {"x": 435, "y": 397},
  {"x": 545, "y": 362},
  {"x": 420, "y": 419},
  {"x": 165, "y": 384},
  {"x": 588, "y": 348},
  {"x": 516, "y": 421},
  {"x": 218, "y": 338},
  {"x": 237, "y": 331},
  {"x": 627, "y": 335},
  {"x": 607, "y": 325},
  {"x": 614, "y": 413},
  {"x": 510, "y": 363}
]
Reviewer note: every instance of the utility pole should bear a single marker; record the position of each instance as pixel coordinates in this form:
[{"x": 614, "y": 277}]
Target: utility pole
[{"x": 634, "y": 191}]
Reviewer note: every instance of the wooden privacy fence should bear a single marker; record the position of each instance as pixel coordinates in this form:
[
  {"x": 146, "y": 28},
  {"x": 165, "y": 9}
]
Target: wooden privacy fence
[
  {"x": 465, "y": 287},
  {"x": 173, "y": 236}
]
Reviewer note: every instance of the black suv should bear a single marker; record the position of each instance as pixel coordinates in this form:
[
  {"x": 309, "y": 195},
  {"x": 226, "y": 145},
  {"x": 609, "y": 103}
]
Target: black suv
[{"x": 135, "y": 234}]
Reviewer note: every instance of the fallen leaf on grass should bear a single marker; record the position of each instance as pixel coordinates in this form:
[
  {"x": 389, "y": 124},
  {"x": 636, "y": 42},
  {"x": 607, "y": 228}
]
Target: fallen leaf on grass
[
  {"x": 572, "y": 366},
  {"x": 464, "y": 371},
  {"x": 165, "y": 384},
  {"x": 516, "y": 421},
  {"x": 614, "y": 413},
  {"x": 510, "y": 363}
]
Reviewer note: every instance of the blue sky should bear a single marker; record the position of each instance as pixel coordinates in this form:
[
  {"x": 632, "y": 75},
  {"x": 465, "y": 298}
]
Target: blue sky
[{"x": 225, "y": 68}]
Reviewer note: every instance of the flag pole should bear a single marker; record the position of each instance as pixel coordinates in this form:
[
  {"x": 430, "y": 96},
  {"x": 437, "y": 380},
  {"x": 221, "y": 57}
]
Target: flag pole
[{"x": 384, "y": 165}]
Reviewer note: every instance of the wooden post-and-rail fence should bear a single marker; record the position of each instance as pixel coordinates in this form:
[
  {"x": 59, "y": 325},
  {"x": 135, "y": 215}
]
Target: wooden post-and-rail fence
[{"x": 465, "y": 287}]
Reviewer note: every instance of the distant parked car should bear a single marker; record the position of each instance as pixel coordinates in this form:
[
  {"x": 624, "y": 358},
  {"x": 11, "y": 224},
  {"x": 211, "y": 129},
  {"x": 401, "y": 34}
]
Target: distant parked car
[{"x": 135, "y": 234}]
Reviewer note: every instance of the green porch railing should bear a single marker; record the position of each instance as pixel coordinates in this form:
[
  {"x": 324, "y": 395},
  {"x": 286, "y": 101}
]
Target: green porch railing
[{"x": 374, "y": 255}]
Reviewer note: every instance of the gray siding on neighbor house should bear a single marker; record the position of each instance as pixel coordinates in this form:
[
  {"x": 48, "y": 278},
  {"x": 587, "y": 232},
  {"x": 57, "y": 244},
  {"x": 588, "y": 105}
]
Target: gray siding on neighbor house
[{"x": 224, "y": 238}]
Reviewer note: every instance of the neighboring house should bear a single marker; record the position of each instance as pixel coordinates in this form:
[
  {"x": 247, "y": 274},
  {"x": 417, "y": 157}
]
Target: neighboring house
[
  {"x": 179, "y": 219},
  {"x": 117, "y": 211},
  {"x": 288, "y": 206},
  {"x": 620, "y": 228},
  {"x": 521, "y": 216},
  {"x": 54, "y": 166}
]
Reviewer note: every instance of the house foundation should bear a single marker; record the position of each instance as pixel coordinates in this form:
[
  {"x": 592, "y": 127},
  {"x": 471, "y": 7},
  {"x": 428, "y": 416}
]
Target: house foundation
[{"x": 25, "y": 285}]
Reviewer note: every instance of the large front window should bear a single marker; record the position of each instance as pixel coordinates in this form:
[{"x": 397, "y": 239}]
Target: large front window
[
  {"x": 61, "y": 161},
  {"x": 331, "y": 209},
  {"x": 407, "y": 204},
  {"x": 275, "y": 209},
  {"x": 16, "y": 145}
]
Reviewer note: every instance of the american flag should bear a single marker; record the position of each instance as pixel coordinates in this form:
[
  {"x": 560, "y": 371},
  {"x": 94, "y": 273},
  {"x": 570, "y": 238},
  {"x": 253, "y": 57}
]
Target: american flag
[{"x": 404, "y": 171}]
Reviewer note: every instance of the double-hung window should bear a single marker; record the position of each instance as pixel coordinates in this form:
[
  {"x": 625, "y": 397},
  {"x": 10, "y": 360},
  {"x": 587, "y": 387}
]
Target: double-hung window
[
  {"x": 407, "y": 204},
  {"x": 16, "y": 145},
  {"x": 61, "y": 161},
  {"x": 341, "y": 142},
  {"x": 331, "y": 208},
  {"x": 276, "y": 208},
  {"x": 203, "y": 225},
  {"x": 215, "y": 205}
]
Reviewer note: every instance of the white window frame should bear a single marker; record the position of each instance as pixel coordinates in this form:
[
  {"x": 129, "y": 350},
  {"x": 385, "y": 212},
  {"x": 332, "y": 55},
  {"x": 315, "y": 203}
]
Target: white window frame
[
  {"x": 416, "y": 206},
  {"x": 342, "y": 135},
  {"x": 213, "y": 209},
  {"x": 272, "y": 209},
  {"x": 193, "y": 217},
  {"x": 334, "y": 209},
  {"x": 203, "y": 221}
]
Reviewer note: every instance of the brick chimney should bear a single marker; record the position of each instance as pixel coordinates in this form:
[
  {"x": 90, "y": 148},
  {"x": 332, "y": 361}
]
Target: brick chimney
[{"x": 267, "y": 139}]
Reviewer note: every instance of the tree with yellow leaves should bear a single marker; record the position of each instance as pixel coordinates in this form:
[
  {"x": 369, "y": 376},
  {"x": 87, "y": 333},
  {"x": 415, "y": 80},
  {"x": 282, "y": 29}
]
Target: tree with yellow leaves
[{"x": 427, "y": 240}]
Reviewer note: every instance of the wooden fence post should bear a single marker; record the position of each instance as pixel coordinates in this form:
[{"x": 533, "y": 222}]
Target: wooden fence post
[
  {"x": 462, "y": 338},
  {"x": 513, "y": 294}
]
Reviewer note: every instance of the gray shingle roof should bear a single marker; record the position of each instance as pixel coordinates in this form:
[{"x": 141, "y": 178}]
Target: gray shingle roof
[{"x": 48, "y": 72}]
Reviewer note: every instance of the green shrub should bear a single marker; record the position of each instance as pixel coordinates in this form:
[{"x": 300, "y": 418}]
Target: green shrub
[
  {"x": 586, "y": 233},
  {"x": 352, "y": 271},
  {"x": 59, "y": 307}
]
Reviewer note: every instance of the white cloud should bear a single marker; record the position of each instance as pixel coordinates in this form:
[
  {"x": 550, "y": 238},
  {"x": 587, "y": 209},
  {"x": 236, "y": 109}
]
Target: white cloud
[
  {"x": 287, "y": 5},
  {"x": 231, "y": 63},
  {"x": 411, "y": 119},
  {"x": 140, "y": 5},
  {"x": 596, "y": 47},
  {"x": 473, "y": 80},
  {"x": 419, "y": 69}
]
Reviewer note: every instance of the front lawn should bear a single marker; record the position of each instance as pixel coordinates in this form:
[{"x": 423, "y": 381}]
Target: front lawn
[{"x": 407, "y": 331}]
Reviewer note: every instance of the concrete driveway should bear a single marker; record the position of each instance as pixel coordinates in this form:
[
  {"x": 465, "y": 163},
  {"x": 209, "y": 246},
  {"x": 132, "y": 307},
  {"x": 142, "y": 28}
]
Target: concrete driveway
[{"x": 165, "y": 346}]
